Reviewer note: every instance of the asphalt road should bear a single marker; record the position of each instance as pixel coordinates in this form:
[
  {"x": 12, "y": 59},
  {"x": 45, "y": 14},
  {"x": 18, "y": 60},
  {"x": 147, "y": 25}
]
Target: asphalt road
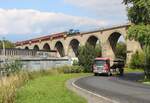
[{"x": 118, "y": 89}]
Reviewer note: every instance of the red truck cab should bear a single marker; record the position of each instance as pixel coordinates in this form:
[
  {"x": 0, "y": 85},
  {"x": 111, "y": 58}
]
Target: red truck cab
[{"x": 101, "y": 66}]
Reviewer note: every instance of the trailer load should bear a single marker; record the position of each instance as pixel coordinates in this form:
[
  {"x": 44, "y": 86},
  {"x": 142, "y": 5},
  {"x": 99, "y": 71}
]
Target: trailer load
[{"x": 102, "y": 66}]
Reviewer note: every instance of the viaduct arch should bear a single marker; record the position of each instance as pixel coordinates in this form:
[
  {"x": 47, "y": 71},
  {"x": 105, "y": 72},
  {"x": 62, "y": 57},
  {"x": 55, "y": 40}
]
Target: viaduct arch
[
  {"x": 112, "y": 41},
  {"x": 26, "y": 48},
  {"x": 46, "y": 47},
  {"x": 36, "y": 47},
  {"x": 67, "y": 45},
  {"x": 60, "y": 49},
  {"x": 73, "y": 47},
  {"x": 93, "y": 40}
]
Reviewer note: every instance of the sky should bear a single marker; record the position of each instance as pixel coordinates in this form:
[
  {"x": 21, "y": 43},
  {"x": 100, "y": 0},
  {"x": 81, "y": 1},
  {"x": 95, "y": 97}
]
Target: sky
[{"x": 26, "y": 19}]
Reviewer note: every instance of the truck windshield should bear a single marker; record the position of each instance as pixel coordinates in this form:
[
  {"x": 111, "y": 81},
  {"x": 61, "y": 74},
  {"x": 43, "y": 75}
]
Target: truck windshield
[{"x": 100, "y": 62}]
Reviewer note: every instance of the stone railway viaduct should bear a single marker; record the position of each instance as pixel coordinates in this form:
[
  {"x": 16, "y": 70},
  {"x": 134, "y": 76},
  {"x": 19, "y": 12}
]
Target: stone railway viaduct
[{"x": 67, "y": 45}]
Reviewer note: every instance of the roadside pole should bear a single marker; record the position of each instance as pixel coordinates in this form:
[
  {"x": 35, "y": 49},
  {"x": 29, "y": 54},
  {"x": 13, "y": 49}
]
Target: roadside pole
[{"x": 3, "y": 43}]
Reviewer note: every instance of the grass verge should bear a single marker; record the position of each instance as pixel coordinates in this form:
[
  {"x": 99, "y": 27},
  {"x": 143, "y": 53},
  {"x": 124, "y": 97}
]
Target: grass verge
[
  {"x": 147, "y": 82},
  {"x": 129, "y": 70},
  {"x": 9, "y": 84},
  {"x": 142, "y": 80},
  {"x": 48, "y": 89}
]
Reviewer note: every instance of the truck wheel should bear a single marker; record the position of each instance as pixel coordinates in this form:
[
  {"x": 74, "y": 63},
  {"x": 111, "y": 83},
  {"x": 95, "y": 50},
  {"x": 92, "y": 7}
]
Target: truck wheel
[
  {"x": 121, "y": 72},
  {"x": 109, "y": 74}
]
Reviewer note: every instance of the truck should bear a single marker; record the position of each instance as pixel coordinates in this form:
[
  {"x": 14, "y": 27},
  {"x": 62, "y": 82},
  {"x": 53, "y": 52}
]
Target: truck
[{"x": 102, "y": 66}]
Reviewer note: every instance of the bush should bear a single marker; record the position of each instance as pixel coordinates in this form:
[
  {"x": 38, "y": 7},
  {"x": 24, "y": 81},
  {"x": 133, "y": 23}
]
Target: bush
[
  {"x": 137, "y": 60},
  {"x": 75, "y": 63},
  {"x": 10, "y": 84},
  {"x": 98, "y": 50},
  {"x": 70, "y": 69},
  {"x": 142, "y": 60},
  {"x": 86, "y": 56},
  {"x": 55, "y": 71},
  {"x": 121, "y": 50}
]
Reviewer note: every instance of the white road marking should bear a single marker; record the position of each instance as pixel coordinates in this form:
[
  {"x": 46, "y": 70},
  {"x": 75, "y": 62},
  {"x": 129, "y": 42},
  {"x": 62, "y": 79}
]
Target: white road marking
[{"x": 110, "y": 100}]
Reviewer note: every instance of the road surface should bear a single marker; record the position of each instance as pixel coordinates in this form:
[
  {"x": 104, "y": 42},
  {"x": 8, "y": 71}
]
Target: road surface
[{"x": 118, "y": 89}]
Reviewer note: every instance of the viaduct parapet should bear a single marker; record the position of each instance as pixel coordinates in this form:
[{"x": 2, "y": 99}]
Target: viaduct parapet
[{"x": 67, "y": 45}]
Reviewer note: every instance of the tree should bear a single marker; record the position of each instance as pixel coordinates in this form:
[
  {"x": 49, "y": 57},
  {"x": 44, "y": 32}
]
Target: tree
[
  {"x": 139, "y": 15},
  {"x": 140, "y": 33},
  {"x": 86, "y": 56},
  {"x": 138, "y": 11},
  {"x": 147, "y": 61},
  {"x": 8, "y": 44},
  {"x": 98, "y": 50},
  {"x": 121, "y": 50}
]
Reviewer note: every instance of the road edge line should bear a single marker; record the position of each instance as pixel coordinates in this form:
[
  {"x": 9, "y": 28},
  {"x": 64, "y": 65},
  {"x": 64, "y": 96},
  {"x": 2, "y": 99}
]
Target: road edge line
[{"x": 95, "y": 94}]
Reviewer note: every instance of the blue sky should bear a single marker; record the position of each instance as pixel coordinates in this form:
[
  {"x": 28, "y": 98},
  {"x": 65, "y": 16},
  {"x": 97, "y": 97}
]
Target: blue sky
[{"x": 25, "y": 19}]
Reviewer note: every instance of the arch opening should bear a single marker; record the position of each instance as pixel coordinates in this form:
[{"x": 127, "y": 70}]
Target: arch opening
[
  {"x": 36, "y": 47},
  {"x": 74, "y": 45},
  {"x": 95, "y": 42},
  {"x": 26, "y": 48},
  {"x": 118, "y": 45},
  {"x": 60, "y": 48},
  {"x": 46, "y": 47}
]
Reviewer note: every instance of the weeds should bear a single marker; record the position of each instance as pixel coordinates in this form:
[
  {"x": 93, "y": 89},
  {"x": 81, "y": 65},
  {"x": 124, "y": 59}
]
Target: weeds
[
  {"x": 10, "y": 83},
  {"x": 9, "y": 86}
]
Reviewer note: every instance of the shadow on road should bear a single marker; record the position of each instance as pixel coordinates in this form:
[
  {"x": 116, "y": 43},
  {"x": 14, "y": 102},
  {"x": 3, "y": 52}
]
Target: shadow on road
[{"x": 133, "y": 76}]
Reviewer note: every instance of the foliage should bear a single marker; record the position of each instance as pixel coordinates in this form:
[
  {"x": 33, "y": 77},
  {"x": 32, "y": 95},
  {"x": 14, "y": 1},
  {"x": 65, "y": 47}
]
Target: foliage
[
  {"x": 54, "y": 71},
  {"x": 139, "y": 14},
  {"x": 146, "y": 82},
  {"x": 9, "y": 84},
  {"x": 75, "y": 63},
  {"x": 138, "y": 11},
  {"x": 140, "y": 33},
  {"x": 131, "y": 70},
  {"x": 121, "y": 50},
  {"x": 86, "y": 56},
  {"x": 70, "y": 69},
  {"x": 98, "y": 50},
  {"x": 137, "y": 60},
  {"x": 7, "y": 43}
]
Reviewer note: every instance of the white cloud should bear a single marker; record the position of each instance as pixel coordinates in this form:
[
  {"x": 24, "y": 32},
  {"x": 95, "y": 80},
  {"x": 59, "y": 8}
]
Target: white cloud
[
  {"x": 111, "y": 10},
  {"x": 28, "y": 21}
]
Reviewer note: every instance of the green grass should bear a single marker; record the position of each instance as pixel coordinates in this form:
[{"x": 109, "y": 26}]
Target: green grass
[
  {"x": 48, "y": 89},
  {"x": 129, "y": 70},
  {"x": 148, "y": 82}
]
